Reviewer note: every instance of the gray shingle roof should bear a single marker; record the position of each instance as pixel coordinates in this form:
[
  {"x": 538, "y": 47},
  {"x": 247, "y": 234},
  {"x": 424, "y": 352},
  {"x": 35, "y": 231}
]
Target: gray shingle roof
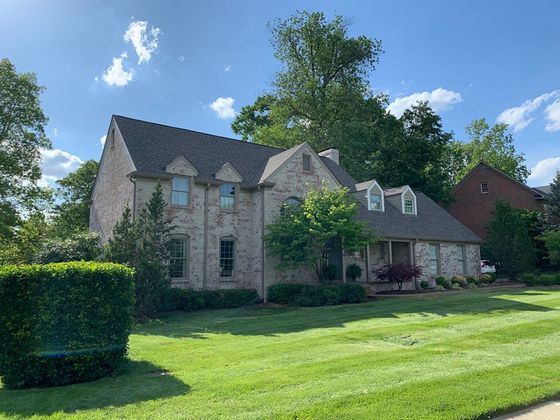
[
  {"x": 153, "y": 146},
  {"x": 431, "y": 223},
  {"x": 388, "y": 192},
  {"x": 544, "y": 189}
]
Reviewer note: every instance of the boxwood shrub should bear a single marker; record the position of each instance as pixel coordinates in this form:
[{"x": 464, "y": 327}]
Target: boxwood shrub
[
  {"x": 175, "y": 299},
  {"x": 541, "y": 279},
  {"x": 316, "y": 295},
  {"x": 63, "y": 323}
]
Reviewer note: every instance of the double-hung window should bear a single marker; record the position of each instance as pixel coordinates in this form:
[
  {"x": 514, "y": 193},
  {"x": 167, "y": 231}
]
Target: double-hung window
[
  {"x": 433, "y": 256},
  {"x": 461, "y": 259},
  {"x": 180, "y": 191},
  {"x": 227, "y": 257},
  {"x": 409, "y": 206},
  {"x": 375, "y": 201},
  {"x": 306, "y": 162},
  {"x": 227, "y": 196},
  {"x": 178, "y": 258}
]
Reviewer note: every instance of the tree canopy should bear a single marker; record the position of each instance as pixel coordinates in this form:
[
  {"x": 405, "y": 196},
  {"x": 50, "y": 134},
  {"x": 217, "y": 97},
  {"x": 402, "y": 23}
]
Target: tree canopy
[
  {"x": 493, "y": 145},
  {"x": 22, "y": 134},
  {"x": 75, "y": 192}
]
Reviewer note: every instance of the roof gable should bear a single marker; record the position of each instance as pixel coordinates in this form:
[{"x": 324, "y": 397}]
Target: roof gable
[
  {"x": 181, "y": 166},
  {"x": 483, "y": 164},
  {"x": 228, "y": 173}
]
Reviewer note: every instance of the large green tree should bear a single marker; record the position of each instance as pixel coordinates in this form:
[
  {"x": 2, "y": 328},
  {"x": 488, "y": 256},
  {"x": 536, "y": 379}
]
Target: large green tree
[
  {"x": 552, "y": 205},
  {"x": 493, "y": 145},
  {"x": 321, "y": 88},
  {"x": 509, "y": 243},
  {"x": 415, "y": 154},
  {"x": 305, "y": 235},
  {"x": 22, "y": 134},
  {"x": 75, "y": 190}
]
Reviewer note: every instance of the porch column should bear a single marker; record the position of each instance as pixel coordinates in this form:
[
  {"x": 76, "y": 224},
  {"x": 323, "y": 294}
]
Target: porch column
[
  {"x": 367, "y": 263},
  {"x": 390, "y": 252},
  {"x": 343, "y": 264}
]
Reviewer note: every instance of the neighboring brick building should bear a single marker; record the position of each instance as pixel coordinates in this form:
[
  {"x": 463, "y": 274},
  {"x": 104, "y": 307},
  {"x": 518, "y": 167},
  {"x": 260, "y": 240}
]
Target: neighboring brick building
[
  {"x": 222, "y": 193},
  {"x": 476, "y": 194}
]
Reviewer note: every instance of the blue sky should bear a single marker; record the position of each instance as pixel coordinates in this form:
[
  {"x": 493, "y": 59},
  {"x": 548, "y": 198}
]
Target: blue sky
[{"x": 194, "y": 64}]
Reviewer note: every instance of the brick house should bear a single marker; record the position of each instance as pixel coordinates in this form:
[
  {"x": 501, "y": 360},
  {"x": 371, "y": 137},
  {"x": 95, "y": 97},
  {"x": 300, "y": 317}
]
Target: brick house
[
  {"x": 475, "y": 197},
  {"x": 222, "y": 193}
]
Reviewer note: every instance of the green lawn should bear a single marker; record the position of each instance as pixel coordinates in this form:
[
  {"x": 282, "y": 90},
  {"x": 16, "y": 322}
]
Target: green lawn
[{"x": 452, "y": 355}]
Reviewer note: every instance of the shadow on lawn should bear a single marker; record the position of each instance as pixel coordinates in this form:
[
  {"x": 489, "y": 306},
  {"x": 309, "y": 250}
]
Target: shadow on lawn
[
  {"x": 134, "y": 383},
  {"x": 272, "y": 321}
]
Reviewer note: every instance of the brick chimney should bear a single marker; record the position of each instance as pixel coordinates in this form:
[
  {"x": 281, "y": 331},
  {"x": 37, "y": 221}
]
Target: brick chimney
[{"x": 332, "y": 154}]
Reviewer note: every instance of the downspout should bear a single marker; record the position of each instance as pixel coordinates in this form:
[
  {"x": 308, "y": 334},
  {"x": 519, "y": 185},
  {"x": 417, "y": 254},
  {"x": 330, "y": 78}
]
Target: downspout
[
  {"x": 133, "y": 180},
  {"x": 205, "y": 256},
  {"x": 263, "y": 254},
  {"x": 367, "y": 263}
]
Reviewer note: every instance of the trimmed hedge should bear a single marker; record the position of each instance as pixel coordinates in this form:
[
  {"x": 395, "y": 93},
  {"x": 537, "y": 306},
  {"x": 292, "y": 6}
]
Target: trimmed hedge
[
  {"x": 175, "y": 299},
  {"x": 63, "y": 323},
  {"x": 541, "y": 279},
  {"x": 316, "y": 295}
]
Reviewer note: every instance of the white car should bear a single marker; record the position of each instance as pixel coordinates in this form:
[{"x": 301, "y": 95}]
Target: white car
[{"x": 486, "y": 267}]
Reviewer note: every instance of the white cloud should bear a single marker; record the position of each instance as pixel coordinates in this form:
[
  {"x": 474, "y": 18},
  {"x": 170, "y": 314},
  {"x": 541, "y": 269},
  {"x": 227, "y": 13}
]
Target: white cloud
[
  {"x": 181, "y": 58},
  {"x": 224, "y": 107},
  {"x": 544, "y": 171},
  {"x": 227, "y": 69},
  {"x": 116, "y": 75},
  {"x": 56, "y": 132},
  {"x": 439, "y": 99},
  {"x": 102, "y": 140},
  {"x": 56, "y": 164},
  {"x": 144, "y": 40},
  {"x": 519, "y": 117},
  {"x": 553, "y": 116}
]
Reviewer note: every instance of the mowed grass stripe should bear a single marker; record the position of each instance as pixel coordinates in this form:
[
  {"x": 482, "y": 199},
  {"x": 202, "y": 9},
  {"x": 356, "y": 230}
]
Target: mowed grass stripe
[{"x": 450, "y": 355}]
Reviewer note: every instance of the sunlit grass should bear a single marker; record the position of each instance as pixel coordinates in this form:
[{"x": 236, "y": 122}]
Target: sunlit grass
[{"x": 452, "y": 355}]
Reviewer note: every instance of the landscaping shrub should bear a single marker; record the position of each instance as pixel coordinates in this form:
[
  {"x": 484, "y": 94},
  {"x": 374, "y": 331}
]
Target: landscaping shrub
[
  {"x": 398, "y": 273},
  {"x": 354, "y": 271},
  {"x": 440, "y": 288},
  {"x": 175, "y": 299},
  {"x": 443, "y": 282},
  {"x": 487, "y": 278},
  {"x": 63, "y": 323},
  {"x": 531, "y": 279},
  {"x": 472, "y": 280},
  {"x": 424, "y": 284},
  {"x": 284, "y": 293},
  {"x": 455, "y": 286},
  {"x": 460, "y": 280},
  {"x": 316, "y": 295}
]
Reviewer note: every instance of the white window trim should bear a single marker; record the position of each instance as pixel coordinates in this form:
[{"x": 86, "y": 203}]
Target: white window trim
[
  {"x": 487, "y": 189},
  {"x": 414, "y": 201},
  {"x": 368, "y": 196},
  {"x": 438, "y": 262}
]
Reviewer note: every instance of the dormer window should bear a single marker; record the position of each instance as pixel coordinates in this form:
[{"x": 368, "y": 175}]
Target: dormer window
[
  {"x": 306, "y": 162},
  {"x": 484, "y": 187},
  {"x": 375, "y": 198},
  {"x": 409, "y": 206},
  {"x": 180, "y": 191}
]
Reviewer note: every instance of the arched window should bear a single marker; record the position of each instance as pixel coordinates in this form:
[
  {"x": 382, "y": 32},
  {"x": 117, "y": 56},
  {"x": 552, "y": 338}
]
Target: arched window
[{"x": 290, "y": 202}]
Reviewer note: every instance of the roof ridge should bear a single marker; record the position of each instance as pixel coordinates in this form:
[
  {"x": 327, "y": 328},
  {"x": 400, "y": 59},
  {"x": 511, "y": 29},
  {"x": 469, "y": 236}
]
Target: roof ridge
[{"x": 201, "y": 132}]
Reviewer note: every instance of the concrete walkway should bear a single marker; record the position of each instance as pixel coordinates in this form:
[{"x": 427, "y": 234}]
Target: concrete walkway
[{"x": 544, "y": 411}]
